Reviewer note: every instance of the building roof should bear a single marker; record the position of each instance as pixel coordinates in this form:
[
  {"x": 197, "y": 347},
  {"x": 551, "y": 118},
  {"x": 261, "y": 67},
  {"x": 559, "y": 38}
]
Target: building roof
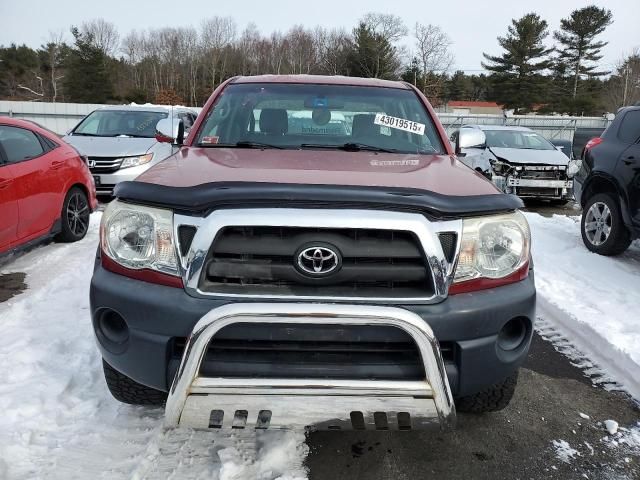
[
  {"x": 323, "y": 79},
  {"x": 468, "y": 104}
]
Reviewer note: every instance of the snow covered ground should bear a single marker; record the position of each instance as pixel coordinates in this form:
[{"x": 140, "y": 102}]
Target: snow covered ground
[
  {"x": 600, "y": 295},
  {"x": 59, "y": 421}
]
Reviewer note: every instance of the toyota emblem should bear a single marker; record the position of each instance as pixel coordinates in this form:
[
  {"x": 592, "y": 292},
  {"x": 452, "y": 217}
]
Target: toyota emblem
[{"x": 318, "y": 260}]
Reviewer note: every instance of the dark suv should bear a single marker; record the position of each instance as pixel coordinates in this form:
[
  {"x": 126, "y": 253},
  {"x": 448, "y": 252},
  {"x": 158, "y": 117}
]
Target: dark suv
[{"x": 608, "y": 185}]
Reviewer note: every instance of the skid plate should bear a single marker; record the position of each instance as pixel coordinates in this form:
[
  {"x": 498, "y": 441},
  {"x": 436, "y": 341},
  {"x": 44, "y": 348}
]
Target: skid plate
[{"x": 321, "y": 412}]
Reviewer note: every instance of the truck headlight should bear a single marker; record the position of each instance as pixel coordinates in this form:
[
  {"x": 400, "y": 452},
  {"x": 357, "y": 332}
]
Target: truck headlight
[
  {"x": 136, "y": 161},
  {"x": 139, "y": 237},
  {"x": 493, "y": 246}
]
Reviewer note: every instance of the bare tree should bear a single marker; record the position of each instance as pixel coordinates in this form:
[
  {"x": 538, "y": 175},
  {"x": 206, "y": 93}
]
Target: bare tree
[
  {"x": 217, "y": 34},
  {"x": 333, "y": 49},
  {"x": 38, "y": 95},
  {"x": 390, "y": 26},
  {"x": 623, "y": 87},
  {"x": 55, "y": 51},
  {"x": 191, "y": 55},
  {"x": 301, "y": 50},
  {"x": 104, "y": 35},
  {"x": 248, "y": 53},
  {"x": 133, "y": 49},
  {"x": 433, "y": 54}
]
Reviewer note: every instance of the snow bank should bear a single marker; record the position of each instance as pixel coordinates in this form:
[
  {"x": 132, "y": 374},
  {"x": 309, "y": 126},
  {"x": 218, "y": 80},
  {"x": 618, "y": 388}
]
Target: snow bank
[
  {"x": 599, "y": 294},
  {"x": 58, "y": 419}
]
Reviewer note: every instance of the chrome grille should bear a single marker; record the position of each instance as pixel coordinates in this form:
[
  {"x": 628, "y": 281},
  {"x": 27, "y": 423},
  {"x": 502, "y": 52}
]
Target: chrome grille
[
  {"x": 261, "y": 260},
  {"x": 104, "y": 164}
]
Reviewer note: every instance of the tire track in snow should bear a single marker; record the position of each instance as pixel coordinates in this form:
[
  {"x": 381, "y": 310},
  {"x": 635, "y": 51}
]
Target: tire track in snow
[{"x": 602, "y": 362}]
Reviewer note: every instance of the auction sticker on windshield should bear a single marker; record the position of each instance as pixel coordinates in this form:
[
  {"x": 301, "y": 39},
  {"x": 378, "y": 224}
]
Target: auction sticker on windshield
[{"x": 399, "y": 123}]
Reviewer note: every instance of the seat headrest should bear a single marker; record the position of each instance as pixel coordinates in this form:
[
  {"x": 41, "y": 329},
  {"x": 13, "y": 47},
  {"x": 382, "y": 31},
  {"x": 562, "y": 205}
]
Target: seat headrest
[
  {"x": 363, "y": 125},
  {"x": 274, "y": 121}
]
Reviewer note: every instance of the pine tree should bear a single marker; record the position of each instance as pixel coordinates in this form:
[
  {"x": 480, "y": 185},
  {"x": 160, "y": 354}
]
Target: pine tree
[
  {"x": 87, "y": 79},
  {"x": 518, "y": 79},
  {"x": 460, "y": 87},
  {"x": 372, "y": 55},
  {"x": 579, "y": 48}
]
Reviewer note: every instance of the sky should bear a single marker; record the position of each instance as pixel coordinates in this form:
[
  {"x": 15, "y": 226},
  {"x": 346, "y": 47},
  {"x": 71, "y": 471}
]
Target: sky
[{"x": 472, "y": 25}]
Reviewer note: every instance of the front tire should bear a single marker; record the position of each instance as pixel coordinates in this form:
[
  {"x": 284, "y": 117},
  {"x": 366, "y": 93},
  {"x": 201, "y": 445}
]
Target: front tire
[
  {"x": 128, "y": 391},
  {"x": 75, "y": 216},
  {"x": 603, "y": 230},
  {"x": 491, "y": 399}
]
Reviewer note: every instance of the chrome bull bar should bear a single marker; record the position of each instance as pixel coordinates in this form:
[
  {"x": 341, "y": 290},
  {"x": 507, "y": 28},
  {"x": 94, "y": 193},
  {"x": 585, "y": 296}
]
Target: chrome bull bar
[{"x": 205, "y": 402}]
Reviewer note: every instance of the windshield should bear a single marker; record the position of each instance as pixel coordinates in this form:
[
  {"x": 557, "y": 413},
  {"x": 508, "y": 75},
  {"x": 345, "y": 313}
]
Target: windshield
[
  {"x": 113, "y": 123},
  {"x": 517, "y": 139},
  {"x": 320, "y": 116}
]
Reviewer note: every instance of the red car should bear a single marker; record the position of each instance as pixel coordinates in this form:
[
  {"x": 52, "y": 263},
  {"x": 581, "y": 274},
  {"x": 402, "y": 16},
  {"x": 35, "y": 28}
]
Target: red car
[{"x": 45, "y": 186}]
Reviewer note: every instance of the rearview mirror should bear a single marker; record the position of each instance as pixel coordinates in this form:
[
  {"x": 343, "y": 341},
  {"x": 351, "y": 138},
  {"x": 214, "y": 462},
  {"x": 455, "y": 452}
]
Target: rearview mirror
[
  {"x": 470, "y": 138},
  {"x": 170, "y": 131}
]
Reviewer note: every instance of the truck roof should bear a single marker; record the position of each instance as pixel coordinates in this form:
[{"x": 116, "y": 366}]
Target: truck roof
[{"x": 324, "y": 80}]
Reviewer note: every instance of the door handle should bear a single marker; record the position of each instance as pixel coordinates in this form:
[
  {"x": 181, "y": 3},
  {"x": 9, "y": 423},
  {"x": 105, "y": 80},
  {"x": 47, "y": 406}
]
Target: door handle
[
  {"x": 57, "y": 165},
  {"x": 4, "y": 183},
  {"x": 630, "y": 160}
]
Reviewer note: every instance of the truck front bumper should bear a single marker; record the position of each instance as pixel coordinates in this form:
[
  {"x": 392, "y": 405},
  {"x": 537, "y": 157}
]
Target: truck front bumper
[
  {"x": 472, "y": 324},
  {"x": 199, "y": 401},
  {"x": 539, "y": 188}
]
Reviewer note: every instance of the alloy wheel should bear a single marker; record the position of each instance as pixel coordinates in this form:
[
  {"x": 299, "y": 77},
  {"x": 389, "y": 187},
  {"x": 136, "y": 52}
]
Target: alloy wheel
[
  {"x": 597, "y": 225},
  {"x": 78, "y": 214}
]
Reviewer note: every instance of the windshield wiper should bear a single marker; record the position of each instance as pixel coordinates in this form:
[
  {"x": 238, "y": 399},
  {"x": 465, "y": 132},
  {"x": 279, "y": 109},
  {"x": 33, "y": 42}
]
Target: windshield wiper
[
  {"x": 250, "y": 144},
  {"x": 240, "y": 144},
  {"x": 85, "y": 134},
  {"x": 129, "y": 135},
  {"x": 351, "y": 147}
]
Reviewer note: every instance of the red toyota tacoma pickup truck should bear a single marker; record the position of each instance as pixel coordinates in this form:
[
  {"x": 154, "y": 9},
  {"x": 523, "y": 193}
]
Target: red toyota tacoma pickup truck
[{"x": 313, "y": 255}]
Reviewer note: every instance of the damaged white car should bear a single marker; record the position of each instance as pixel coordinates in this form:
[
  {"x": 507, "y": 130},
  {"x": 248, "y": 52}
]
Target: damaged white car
[{"x": 518, "y": 161}]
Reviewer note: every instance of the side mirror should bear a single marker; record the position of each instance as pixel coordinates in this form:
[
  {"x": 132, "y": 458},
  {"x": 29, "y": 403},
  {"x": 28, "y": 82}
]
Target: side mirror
[
  {"x": 470, "y": 138},
  {"x": 168, "y": 131}
]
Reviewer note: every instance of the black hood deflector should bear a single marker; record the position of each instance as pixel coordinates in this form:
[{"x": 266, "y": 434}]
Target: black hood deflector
[{"x": 204, "y": 198}]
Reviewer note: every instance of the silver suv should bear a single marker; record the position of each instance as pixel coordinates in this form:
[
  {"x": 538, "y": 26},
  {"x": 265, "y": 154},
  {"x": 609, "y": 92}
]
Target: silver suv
[{"x": 120, "y": 143}]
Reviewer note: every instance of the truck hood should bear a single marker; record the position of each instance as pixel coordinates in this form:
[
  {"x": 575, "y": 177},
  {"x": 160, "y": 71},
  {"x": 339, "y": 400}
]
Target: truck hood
[
  {"x": 442, "y": 174},
  {"x": 110, "y": 146},
  {"x": 524, "y": 156}
]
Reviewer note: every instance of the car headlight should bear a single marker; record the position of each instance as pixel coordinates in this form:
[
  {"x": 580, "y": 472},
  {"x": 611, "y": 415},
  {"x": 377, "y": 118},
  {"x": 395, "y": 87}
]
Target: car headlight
[
  {"x": 139, "y": 237},
  {"x": 573, "y": 168},
  {"x": 493, "y": 247},
  {"x": 135, "y": 161}
]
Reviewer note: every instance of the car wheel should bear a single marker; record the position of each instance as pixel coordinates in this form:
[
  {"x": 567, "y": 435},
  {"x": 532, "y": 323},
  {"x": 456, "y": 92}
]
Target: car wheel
[
  {"x": 603, "y": 230},
  {"x": 491, "y": 399},
  {"x": 126, "y": 390},
  {"x": 75, "y": 216}
]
